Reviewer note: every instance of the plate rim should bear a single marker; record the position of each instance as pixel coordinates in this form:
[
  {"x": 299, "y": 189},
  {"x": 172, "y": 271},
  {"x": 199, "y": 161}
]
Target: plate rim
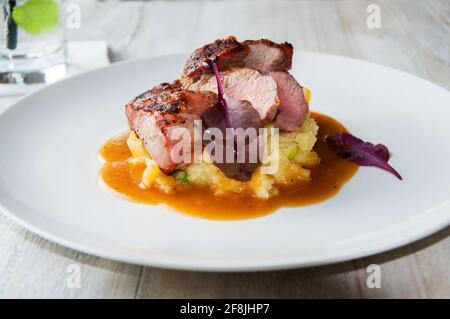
[
  {"x": 411, "y": 231},
  {"x": 190, "y": 264}
]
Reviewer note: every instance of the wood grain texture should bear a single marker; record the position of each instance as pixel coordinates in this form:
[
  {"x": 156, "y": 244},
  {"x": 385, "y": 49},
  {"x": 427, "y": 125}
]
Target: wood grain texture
[{"x": 413, "y": 37}]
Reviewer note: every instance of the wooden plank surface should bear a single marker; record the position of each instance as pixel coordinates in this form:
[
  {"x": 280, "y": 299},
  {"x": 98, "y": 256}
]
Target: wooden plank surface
[{"x": 413, "y": 37}]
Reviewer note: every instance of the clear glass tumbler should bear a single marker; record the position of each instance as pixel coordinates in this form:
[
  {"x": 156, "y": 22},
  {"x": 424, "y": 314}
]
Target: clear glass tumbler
[{"x": 32, "y": 41}]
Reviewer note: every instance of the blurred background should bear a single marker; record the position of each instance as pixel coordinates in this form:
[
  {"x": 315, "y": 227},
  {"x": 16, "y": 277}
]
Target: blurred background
[
  {"x": 398, "y": 33},
  {"x": 411, "y": 32}
]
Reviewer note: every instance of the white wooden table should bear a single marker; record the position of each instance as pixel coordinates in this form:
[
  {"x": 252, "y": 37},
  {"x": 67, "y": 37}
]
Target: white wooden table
[{"x": 413, "y": 37}]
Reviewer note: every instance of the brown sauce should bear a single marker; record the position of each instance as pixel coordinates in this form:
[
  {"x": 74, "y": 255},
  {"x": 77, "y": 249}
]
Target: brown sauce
[{"x": 327, "y": 178}]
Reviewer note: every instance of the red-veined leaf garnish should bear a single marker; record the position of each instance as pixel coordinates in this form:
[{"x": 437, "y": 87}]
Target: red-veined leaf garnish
[
  {"x": 230, "y": 113},
  {"x": 361, "y": 152}
]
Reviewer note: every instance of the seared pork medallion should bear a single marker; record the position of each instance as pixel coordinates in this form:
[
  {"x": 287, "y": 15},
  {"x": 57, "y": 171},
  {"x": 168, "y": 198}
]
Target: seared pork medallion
[
  {"x": 244, "y": 84},
  {"x": 233, "y": 136},
  {"x": 262, "y": 55},
  {"x": 154, "y": 115},
  {"x": 256, "y": 71}
]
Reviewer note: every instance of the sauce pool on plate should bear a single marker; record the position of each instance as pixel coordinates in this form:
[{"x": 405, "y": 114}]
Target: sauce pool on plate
[{"x": 326, "y": 180}]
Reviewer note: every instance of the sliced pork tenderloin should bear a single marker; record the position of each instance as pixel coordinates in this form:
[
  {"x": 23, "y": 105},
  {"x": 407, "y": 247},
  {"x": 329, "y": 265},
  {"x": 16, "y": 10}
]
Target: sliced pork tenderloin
[
  {"x": 293, "y": 107},
  {"x": 155, "y": 114},
  {"x": 262, "y": 55},
  {"x": 224, "y": 52},
  {"x": 244, "y": 84},
  {"x": 267, "y": 56}
]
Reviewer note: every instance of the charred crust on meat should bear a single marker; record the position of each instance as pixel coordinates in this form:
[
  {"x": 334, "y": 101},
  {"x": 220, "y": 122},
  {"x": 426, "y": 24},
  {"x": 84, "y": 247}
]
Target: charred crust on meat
[
  {"x": 165, "y": 86},
  {"x": 143, "y": 95},
  {"x": 166, "y": 97},
  {"x": 227, "y": 53},
  {"x": 168, "y": 102},
  {"x": 284, "y": 46},
  {"x": 201, "y": 59}
]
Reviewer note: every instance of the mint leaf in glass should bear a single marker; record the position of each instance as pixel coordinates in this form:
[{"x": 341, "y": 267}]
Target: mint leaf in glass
[{"x": 36, "y": 16}]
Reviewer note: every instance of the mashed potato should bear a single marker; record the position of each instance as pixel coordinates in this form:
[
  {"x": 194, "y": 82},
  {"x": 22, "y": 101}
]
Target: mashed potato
[{"x": 296, "y": 156}]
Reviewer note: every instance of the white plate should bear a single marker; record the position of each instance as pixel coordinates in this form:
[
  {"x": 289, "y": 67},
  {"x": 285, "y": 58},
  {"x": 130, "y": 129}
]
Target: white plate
[{"x": 48, "y": 182}]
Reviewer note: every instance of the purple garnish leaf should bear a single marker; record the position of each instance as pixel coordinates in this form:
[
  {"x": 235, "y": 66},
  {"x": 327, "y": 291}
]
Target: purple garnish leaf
[
  {"x": 237, "y": 113},
  {"x": 242, "y": 114},
  {"x": 230, "y": 113},
  {"x": 360, "y": 152},
  {"x": 221, "y": 94}
]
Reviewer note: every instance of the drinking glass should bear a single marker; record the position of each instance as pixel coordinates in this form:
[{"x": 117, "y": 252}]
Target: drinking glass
[{"x": 32, "y": 42}]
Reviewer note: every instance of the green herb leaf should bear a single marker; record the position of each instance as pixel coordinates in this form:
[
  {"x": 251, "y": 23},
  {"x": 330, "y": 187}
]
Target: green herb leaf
[
  {"x": 292, "y": 151},
  {"x": 182, "y": 178},
  {"x": 36, "y": 16}
]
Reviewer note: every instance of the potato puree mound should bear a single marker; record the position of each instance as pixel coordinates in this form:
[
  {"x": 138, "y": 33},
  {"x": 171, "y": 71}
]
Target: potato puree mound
[{"x": 296, "y": 156}]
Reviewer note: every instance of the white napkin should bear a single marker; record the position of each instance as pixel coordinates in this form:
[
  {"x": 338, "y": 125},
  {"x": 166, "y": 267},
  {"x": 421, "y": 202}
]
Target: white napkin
[
  {"x": 86, "y": 55},
  {"x": 81, "y": 56}
]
